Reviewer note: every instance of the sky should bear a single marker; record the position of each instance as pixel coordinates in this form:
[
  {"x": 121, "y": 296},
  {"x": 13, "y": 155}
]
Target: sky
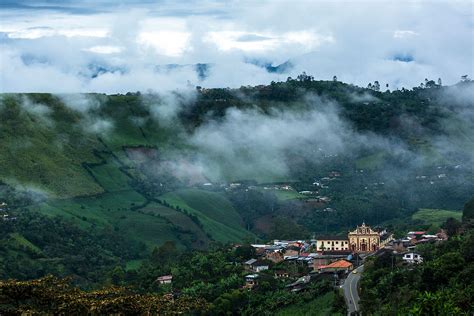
[{"x": 120, "y": 46}]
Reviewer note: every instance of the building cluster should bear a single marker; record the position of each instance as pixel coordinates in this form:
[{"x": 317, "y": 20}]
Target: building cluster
[
  {"x": 326, "y": 254},
  {"x": 406, "y": 247},
  {"x": 361, "y": 240}
]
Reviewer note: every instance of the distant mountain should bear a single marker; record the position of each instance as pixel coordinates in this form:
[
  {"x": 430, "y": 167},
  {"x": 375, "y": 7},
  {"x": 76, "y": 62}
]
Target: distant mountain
[{"x": 201, "y": 69}]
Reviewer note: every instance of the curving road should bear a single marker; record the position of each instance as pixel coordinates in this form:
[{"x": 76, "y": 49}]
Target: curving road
[{"x": 350, "y": 290}]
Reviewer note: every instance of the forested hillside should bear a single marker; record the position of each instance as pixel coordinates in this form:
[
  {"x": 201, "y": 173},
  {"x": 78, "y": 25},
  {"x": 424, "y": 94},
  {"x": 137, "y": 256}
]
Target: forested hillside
[
  {"x": 95, "y": 181},
  {"x": 442, "y": 285}
]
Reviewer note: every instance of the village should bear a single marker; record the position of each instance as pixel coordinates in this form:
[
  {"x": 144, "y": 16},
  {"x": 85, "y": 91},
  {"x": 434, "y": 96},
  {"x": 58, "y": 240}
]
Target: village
[{"x": 300, "y": 262}]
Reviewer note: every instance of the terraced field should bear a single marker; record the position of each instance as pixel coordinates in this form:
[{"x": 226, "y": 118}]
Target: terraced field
[
  {"x": 217, "y": 215},
  {"x": 435, "y": 216}
]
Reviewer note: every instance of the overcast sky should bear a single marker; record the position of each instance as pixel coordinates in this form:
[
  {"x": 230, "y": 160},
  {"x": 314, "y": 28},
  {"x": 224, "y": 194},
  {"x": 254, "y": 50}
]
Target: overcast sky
[{"x": 120, "y": 46}]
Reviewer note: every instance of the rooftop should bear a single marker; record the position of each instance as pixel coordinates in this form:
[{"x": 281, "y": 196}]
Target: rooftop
[
  {"x": 250, "y": 262},
  {"x": 327, "y": 237},
  {"x": 341, "y": 264},
  {"x": 165, "y": 278}
]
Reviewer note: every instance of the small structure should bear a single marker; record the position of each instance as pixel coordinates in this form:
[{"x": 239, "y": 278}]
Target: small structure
[
  {"x": 281, "y": 274},
  {"x": 165, "y": 279},
  {"x": 299, "y": 284},
  {"x": 412, "y": 257},
  {"x": 255, "y": 265},
  {"x": 260, "y": 266},
  {"x": 251, "y": 280}
]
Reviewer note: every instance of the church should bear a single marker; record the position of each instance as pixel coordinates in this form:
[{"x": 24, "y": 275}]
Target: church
[{"x": 364, "y": 239}]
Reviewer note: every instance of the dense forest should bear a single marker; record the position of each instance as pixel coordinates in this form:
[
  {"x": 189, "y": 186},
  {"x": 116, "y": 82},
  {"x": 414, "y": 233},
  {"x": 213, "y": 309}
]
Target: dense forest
[{"x": 441, "y": 285}]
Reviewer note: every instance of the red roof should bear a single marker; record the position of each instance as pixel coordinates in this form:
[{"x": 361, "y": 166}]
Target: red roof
[{"x": 339, "y": 264}]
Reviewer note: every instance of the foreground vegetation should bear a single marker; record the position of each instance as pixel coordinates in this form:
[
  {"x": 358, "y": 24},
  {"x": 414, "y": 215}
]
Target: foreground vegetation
[{"x": 441, "y": 285}]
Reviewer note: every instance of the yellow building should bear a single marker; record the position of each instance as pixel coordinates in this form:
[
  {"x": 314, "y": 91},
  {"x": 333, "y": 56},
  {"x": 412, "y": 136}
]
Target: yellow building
[
  {"x": 332, "y": 243},
  {"x": 364, "y": 239}
]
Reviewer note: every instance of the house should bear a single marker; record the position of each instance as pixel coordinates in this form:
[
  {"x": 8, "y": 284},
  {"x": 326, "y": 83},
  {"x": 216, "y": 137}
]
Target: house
[
  {"x": 165, "y": 279},
  {"x": 255, "y": 265},
  {"x": 299, "y": 284},
  {"x": 274, "y": 257},
  {"x": 334, "y": 243},
  {"x": 324, "y": 259},
  {"x": 251, "y": 280},
  {"x": 249, "y": 264},
  {"x": 412, "y": 257},
  {"x": 260, "y": 266},
  {"x": 340, "y": 265},
  {"x": 273, "y": 248},
  {"x": 415, "y": 234},
  {"x": 385, "y": 238},
  {"x": 291, "y": 252},
  {"x": 280, "y": 274}
]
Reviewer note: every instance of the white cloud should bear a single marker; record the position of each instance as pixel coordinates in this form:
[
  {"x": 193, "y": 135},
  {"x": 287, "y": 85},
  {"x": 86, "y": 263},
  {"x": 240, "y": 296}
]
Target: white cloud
[
  {"x": 404, "y": 33},
  {"x": 104, "y": 49},
  {"x": 169, "y": 43},
  {"x": 359, "y": 41}
]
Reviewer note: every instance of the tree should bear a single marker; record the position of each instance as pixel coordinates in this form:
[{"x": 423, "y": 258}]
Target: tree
[
  {"x": 376, "y": 86},
  {"x": 451, "y": 226},
  {"x": 468, "y": 211},
  {"x": 245, "y": 252},
  {"x": 164, "y": 253},
  {"x": 334, "y": 78},
  {"x": 117, "y": 275}
]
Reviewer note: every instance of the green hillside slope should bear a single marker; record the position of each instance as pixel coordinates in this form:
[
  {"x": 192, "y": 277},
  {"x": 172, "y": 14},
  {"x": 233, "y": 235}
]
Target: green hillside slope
[{"x": 216, "y": 213}]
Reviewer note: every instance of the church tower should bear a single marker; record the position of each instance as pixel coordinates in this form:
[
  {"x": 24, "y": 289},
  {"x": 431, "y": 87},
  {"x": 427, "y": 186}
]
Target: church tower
[{"x": 364, "y": 239}]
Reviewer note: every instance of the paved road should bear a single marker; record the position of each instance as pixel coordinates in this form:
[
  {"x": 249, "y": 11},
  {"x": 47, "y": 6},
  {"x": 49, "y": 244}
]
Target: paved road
[{"x": 350, "y": 290}]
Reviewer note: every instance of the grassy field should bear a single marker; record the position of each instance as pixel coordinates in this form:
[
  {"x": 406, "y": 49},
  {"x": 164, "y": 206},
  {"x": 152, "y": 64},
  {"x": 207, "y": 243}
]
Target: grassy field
[
  {"x": 114, "y": 210},
  {"x": 20, "y": 241},
  {"x": 320, "y": 306},
  {"x": 435, "y": 216},
  {"x": 44, "y": 145},
  {"x": 109, "y": 176},
  {"x": 284, "y": 195},
  {"x": 370, "y": 162},
  {"x": 197, "y": 237},
  {"x": 133, "y": 264},
  {"x": 214, "y": 211}
]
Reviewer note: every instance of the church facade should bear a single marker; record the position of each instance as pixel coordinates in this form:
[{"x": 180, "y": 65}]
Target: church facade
[{"x": 364, "y": 239}]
